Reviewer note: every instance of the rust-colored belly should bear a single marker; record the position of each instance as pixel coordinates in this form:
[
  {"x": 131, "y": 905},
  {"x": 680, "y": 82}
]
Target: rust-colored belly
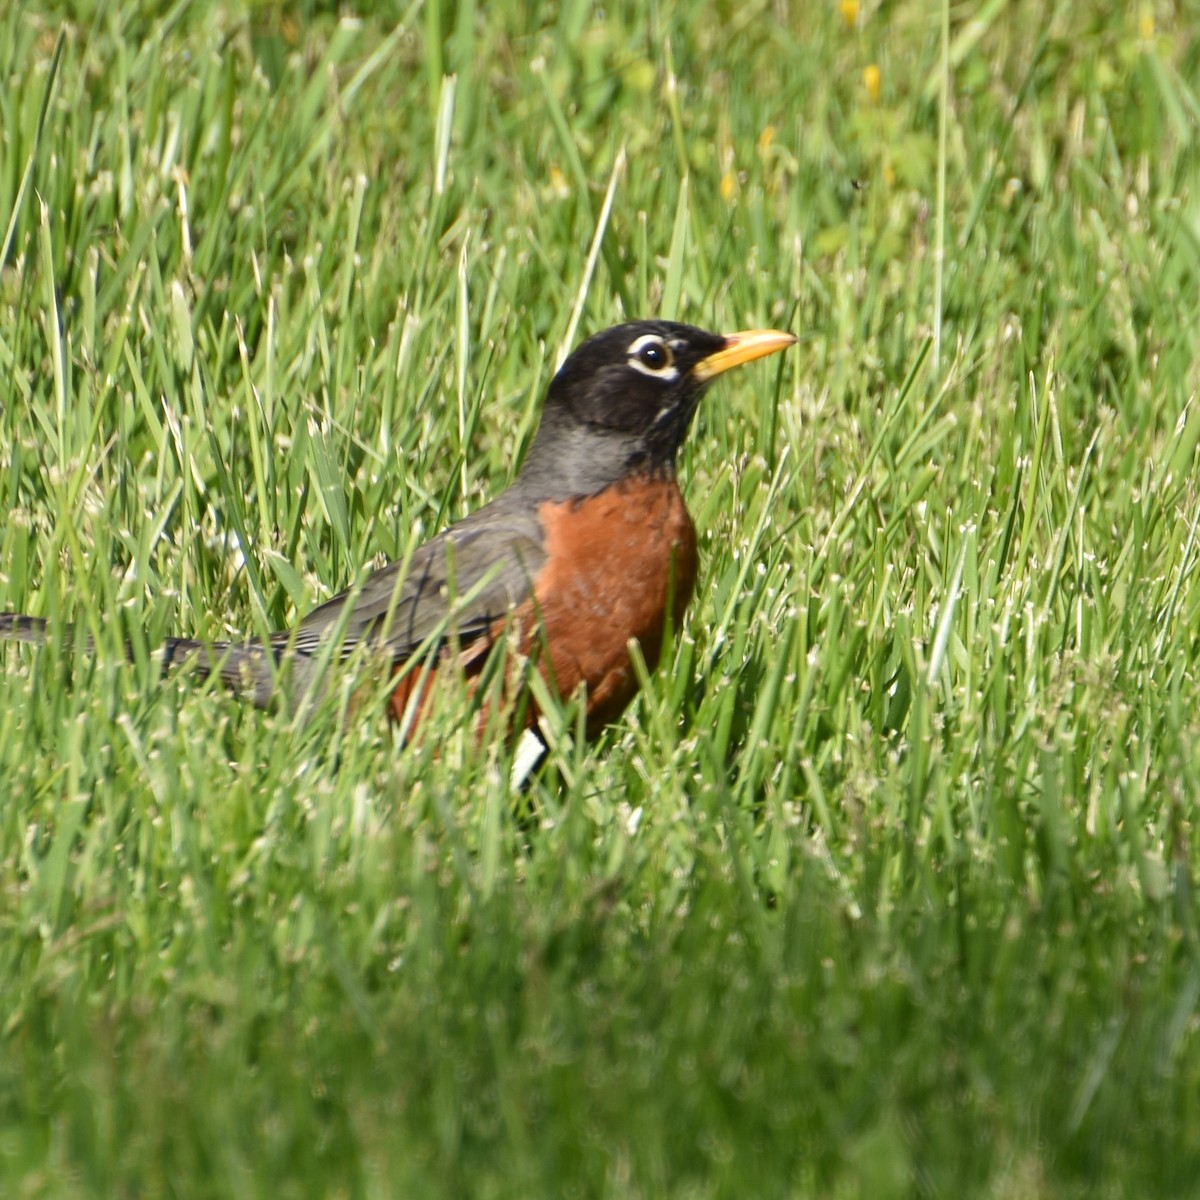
[{"x": 617, "y": 563}]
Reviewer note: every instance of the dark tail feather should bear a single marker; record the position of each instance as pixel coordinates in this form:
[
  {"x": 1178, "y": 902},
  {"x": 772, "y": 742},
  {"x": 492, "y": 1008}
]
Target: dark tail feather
[
  {"x": 249, "y": 670},
  {"x": 20, "y": 628}
]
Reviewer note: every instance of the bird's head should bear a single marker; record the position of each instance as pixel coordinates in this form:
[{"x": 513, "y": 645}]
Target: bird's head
[{"x": 624, "y": 399}]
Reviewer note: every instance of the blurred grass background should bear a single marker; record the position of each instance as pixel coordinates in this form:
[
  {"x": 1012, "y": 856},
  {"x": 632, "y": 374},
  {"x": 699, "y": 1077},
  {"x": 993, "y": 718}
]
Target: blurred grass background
[{"x": 884, "y": 886}]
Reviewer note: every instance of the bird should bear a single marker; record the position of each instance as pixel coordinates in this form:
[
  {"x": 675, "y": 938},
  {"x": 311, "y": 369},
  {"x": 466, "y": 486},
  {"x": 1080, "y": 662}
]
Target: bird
[{"x": 590, "y": 549}]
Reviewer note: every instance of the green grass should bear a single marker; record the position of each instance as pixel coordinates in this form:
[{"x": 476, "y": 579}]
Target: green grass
[{"x": 884, "y": 887}]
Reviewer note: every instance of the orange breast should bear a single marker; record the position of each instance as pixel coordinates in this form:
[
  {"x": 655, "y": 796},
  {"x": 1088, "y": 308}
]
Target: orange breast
[{"x": 616, "y": 564}]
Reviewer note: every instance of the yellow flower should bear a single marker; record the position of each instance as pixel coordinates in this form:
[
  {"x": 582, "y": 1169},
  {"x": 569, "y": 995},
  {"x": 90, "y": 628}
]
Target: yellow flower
[
  {"x": 727, "y": 186},
  {"x": 871, "y": 81},
  {"x": 1146, "y": 22},
  {"x": 766, "y": 138},
  {"x": 849, "y": 11}
]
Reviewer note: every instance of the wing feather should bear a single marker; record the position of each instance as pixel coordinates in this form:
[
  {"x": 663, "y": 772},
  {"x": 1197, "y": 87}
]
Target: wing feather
[{"x": 456, "y": 586}]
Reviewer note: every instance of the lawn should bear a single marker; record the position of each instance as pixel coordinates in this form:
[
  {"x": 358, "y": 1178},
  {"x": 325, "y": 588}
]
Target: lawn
[{"x": 884, "y": 887}]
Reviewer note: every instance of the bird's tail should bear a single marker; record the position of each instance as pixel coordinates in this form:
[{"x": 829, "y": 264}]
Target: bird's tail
[
  {"x": 17, "y": 627},
  {"x": 251, "y": 670}
]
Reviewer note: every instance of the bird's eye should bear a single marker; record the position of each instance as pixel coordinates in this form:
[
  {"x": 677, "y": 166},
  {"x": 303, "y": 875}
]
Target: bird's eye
[{"x": 651, "y": 355}]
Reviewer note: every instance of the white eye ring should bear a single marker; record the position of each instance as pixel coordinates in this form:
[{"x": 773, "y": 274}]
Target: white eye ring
[{"x": 652, "y": 356}]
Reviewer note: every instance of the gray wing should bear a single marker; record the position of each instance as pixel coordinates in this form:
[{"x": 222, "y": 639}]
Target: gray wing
[{"x": 454, "y": 587}]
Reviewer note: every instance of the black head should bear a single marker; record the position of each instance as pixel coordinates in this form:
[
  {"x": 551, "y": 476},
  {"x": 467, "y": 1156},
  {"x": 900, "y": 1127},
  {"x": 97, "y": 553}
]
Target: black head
[{"x": 625, "y": 398}]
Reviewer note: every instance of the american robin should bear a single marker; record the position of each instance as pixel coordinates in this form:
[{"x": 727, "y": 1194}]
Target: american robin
[{"x": 589, "y": 549}]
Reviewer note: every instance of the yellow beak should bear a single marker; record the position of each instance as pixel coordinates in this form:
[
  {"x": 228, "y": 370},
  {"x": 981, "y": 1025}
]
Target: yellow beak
[{"x": 741, "y": 348}]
